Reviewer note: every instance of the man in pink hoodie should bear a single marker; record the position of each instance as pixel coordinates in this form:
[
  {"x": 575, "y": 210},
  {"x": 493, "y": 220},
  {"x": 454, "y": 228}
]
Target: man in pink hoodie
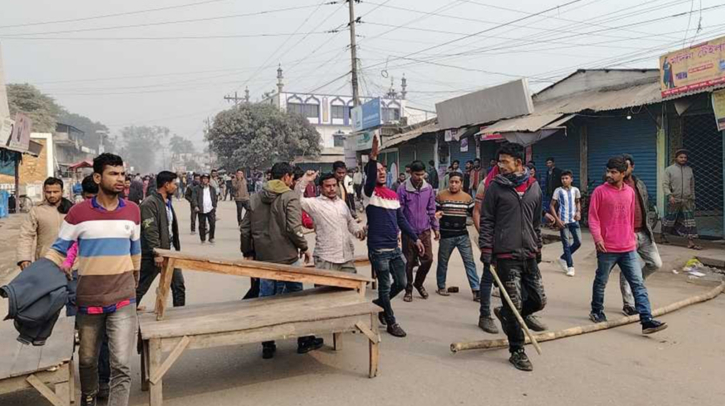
[{"x": 611, "y": 222}]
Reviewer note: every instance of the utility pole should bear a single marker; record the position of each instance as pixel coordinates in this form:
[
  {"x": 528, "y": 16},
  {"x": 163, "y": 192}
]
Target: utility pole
[
  {"x": 236, "y": 99},
  {"x": 353, "y": 54}
]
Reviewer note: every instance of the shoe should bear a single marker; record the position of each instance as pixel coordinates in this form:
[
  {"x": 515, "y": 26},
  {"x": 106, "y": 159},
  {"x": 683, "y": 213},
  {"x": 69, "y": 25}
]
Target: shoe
[
  {"x": 423, "y": 293},
  {"x": 653, "y": 326},
  {"x": 311, "y": 344},
  {"x": 629, "y": 310},
  {"x": 103, "y": 390},
  {"x": 203, "y": 242},
  {"x": 571, "y": 272},
  {"x": 563, "y": 265},
  {"x": 496, "y": 292},
  {"x": 381, "y": 319},
  {"x": 598, "y": 317},
  {"x": 268, "y": 350},
  {"x": 88, "y": 400},
  {"x": 520, "y": 361},
  {"x": 443, "y": 292},
  {"x": 486, "y": 324},
  {"x": 211, "y": 241},
  {"x": 501, "y": 318},
  {"x": 396, "y": 331},
  {"x": 477, "y": 296},
  {"x": 408, "y": 297},
  {"x": 193, "y": 232},
  {"x": 533, "y": 323}
]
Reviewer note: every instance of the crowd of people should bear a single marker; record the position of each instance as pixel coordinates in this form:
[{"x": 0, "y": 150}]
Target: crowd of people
[{"x": 105, "y": 242}]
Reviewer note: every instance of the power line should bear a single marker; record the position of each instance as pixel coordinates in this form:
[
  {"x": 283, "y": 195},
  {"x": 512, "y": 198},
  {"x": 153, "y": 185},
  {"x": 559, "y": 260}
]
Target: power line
[{"x": 174, "y": 38}]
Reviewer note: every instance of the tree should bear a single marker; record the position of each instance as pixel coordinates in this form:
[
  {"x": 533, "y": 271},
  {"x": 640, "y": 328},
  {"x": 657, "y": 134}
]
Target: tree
[
  {"x": 42, "y": 109},
  {"x": 94, "y": 131},
  {"x": 141, "y": 145},
  {"x": 180, "y": 145},
  {"x": 258, "y": 135}
]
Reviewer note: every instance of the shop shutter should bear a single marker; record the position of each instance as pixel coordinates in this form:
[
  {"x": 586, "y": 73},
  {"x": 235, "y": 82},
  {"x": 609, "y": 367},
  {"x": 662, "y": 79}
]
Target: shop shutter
[
  {"x": 424, "y": 151},
  {"x": 610, "y": 136},
  {"x": 407, "y": 155},
  {"x": 565, "y": 151},
  {"x": 456, "y": 153}
]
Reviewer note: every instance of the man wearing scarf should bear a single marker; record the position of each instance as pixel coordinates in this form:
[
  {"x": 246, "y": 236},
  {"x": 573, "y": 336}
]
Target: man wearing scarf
[{"x": 510, "y": 238}]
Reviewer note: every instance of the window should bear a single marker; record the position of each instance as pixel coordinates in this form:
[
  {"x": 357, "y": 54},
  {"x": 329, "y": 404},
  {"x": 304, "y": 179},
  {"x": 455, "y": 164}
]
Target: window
[
  {"x": 295, "y": 108},
  {"x": 307, "y": 110},
  {"x": 338, "y": 112},
  {"x": 339, "y": 139},
  {"x": 391, "y": 114}
]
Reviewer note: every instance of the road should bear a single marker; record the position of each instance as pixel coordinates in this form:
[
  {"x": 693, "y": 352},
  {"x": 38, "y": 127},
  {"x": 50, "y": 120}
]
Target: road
[{"x": 680, "y": 366}]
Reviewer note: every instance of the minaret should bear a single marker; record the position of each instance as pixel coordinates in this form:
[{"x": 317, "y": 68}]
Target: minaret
[
  {"x": 403, "y": 87},
  {"x": 246, "y": 95},
  {"x": 280, "y": 84}
]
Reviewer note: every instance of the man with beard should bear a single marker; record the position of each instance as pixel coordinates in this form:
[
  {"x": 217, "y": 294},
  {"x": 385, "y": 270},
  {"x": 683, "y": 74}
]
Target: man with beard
[
  {"x": 40, "y": 229},
  {"x": 108, "y": 232}
]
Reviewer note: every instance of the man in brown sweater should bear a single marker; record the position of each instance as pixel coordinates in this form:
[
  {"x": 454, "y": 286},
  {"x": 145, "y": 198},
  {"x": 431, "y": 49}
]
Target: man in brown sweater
[{"x": 241, "y": 193}]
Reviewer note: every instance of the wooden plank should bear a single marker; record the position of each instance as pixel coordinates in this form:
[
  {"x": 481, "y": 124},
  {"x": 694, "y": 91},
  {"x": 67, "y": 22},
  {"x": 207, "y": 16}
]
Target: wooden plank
[
  {"x": 45, "y": 391},
  {"x": 162, "y": 291},
  {"x": 27, "y": 360},
  {"x": 60, "y": 345},
  {"x": 156, "y": 391},
  {"x": 277, "y": 332},
  {"x": 18, "y": 383},
  {"x": 337, "y": 341},
  {"x": 10, "y": 352},
  {"x": 169, "y": 361},
  {"x": 367, "y": 332},
  {"x": 145, "y": 366},
  {"x": 374, "y": 347},
  {"x": 200, "y": 260},
  {"x": 362, "y": 260}
]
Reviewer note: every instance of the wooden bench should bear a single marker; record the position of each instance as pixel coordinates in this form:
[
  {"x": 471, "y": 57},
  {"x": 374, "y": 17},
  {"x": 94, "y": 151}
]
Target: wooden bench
[
  {"x": 337, "y": 307},
  {"x": 26, "y": 366}
]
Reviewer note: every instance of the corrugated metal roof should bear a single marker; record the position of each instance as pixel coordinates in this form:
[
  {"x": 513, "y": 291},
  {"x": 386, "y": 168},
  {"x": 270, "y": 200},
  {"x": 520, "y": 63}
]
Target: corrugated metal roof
[
  {"x": 530, "y": 123},
  {"x": 603, "y": 99},
  {"x": 410, "y": 135}
]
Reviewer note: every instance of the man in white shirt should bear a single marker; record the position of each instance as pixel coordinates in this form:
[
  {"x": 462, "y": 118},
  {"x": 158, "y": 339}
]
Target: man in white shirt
[
  {"x": 205, "y": 207},
  {"x": 334, "y": 224},
  {"x": 357, "y": 181}
]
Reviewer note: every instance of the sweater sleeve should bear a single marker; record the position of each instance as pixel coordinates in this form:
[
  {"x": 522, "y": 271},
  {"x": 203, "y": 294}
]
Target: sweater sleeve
[
  {"x": 72, "y": 254},
  {"x": 371, "y": 172},
  {"x": 404, "y": 225},
  {"x": 595, "y": 227},
  {"x": 27, "y": 238}
]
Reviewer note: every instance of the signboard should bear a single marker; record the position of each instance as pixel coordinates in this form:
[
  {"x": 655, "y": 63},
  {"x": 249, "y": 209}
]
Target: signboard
[
  {"x": 20, "y": 136},
  {"x": 464, "y": 145},
  {"x": 693, "y": 68},
  {"x": 363, "y": 141},
  {"x": 718, "y": 106},
  {"x": 367, "y": 115},
  {"x": 6, "y": 128}
]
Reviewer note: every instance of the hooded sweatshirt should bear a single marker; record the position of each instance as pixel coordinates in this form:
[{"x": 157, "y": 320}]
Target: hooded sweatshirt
[{"x": 271, "y": 230}]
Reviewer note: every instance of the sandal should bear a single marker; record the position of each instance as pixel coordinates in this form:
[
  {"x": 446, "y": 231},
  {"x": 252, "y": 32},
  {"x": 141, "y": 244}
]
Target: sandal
[{"x": 695, "y": 247}]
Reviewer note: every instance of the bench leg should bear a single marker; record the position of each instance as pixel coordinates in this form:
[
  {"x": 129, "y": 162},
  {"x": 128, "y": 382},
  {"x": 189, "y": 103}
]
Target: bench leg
[
  {"x": 337, "y": 341},
  {"x": 156, "y": 397},
  {"x": 374, "y": 347},
  {"x": 72, "y": 381},
  {"x": 145, "y": 366}
]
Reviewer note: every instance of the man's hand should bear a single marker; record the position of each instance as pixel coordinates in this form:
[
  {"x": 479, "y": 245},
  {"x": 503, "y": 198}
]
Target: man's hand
[
  {"x": 436, "y": 235},
  {"x": 672, "y": 200},
  {"x": 360, "y": 234},
  {"x": 375, "y": 148},
  {"x": 600, "y": 246},
  {"x": 559, "y": 224},
  {"x": 24, "y": 264},
  {"x": 196, "y": 209},
  {"x": 310, "y": 176},
  {"x": 577, "y": 216},
  {"x": 68, "y": 271},
  {"x": 486, "y": 257},
  {"x": 439, "y": 215},
  {"x": 421, "y": 247},
  {"x": 307, "y": 256},
  {"x": 158, "y": 261}
]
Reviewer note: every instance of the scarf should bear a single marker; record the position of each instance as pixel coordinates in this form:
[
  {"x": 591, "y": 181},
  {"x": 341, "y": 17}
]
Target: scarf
[{"x": 518, "y": 179}]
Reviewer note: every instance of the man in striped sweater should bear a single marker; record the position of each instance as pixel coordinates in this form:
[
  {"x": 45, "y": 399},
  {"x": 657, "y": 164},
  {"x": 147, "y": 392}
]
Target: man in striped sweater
[{"x": 108, "y": 233}]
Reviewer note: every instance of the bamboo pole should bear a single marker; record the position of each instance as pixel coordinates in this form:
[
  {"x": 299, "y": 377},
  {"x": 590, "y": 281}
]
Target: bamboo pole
[{"x": 574, "y": 331}]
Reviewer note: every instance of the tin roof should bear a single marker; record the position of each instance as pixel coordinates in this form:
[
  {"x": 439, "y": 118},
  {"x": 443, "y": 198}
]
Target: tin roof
[{"x": 398, "y": 139}]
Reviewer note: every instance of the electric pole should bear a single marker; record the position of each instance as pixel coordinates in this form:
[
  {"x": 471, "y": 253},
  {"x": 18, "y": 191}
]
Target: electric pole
[
  {"x": 353, "y": 54},
  {"x": 236, "y": 99}
]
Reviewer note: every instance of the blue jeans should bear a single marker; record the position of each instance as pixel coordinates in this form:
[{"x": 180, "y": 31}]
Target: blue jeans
[
  {"x": 629, "y": 265},
  {"x": 445, "y": 249},
  {"x": 270, "y": 287},
  {"x": 570, "y": 232},
  {"x": 486, "y": 288},
  {"x": 390, "y": 269}
]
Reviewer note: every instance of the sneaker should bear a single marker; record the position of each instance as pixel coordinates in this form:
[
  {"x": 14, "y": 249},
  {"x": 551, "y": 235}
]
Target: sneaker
[
  {"x": 443, "y": 292},
  {"x": 103, "y": 390},
  {"x": 486, "y": 324},
  {"x": 520, "y": 361},
  {"x": 501, "y": 318},
  {"x": 598, "y": 317},
  {"x": 533, "y": 323},
  {"x": 629, "y": 310},
  {"x": 311, "y": 344},
  {"x": 88, "y": 400},
  {"x": 477, "y": 296},
  {"x": 408, "y": 297},
  {"x": 268, "y": 350},
  {"x": 653, "y": 326},
  {"x": 211, "y": 241},
  {"x": 396, "y": 331},
  {"x": 423, "y": 293},
  {"x": 193, "y": 232},
  {"x": 563, "y": 265},
  {"x": 570, "y": 272}
]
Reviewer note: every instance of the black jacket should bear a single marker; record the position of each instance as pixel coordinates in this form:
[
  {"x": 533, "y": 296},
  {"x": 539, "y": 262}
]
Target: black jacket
[
  {"x": 35, "y": 299},
  {"x": 190, "y": 193},
  {"x": 198, "y": 197},
  {"x": 510, "y": 224},
  {"x": 553, "y": 181},
  {"x": 155, "y": 226}
]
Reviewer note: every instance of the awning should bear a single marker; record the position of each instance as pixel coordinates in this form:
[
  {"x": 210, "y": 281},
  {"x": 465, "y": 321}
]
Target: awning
[
  {"x": 81, "y": 164},
  {"x": 410, "y": 135},
  {"x": 530, "y": 123}
]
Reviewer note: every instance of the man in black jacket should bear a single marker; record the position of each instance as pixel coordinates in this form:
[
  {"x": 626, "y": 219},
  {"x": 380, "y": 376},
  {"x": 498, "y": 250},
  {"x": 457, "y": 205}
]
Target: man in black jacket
[
  {"x": 159, "y": 229},
  {"x": 205, "y": 201},
  {"x": 553, "y": 177},
  {"x": 190, "y": 196},
  {"x": 510, "y": 238}
]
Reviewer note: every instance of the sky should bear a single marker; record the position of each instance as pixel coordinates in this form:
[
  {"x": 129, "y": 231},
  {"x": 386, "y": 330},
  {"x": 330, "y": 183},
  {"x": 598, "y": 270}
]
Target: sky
[{"x": 171, "y": 62}]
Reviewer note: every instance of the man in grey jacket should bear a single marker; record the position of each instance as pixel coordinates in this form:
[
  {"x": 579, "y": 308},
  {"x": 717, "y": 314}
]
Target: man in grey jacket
[
  {"x": 271, "y": 231},
  {"x": 646, "y": 246},
  {"x": 679, "y": 187}
]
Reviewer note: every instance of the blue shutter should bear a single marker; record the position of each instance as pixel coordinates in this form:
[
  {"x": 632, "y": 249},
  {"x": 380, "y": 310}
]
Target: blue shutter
[
  {"x": 456, "y": 154},
  {"x": 610, "y": 136},
  {"x": 565, "y": 151}
]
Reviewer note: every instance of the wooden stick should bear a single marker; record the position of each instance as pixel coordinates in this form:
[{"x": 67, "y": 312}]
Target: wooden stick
[
  {"x": 574, "y": 331},
  {"x": 516, "y": 313}
]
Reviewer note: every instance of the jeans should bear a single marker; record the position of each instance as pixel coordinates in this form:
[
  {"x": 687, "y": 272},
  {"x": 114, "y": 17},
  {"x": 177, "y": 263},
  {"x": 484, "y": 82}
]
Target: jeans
[
  {"x": 647, "y": 250},
  {"x": 269, "y": 287},
  {"x": 241, "y": 204},
  {"x": 121, "y": 327},
  {"x": 445, "y": 249},
  {"x": 389, "y": 266},
  {"x": 148, "y": 273},
  {"x": 522, "y": 281},
  {"x": 571, "y": 232},
  {"x": 629, "y": 265},
  {"x": 412, "y": 256},
  {"x": 486, "y": 288},
  {"x": 203, "y": 218},
  {"x": 348, "y": 266}
]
